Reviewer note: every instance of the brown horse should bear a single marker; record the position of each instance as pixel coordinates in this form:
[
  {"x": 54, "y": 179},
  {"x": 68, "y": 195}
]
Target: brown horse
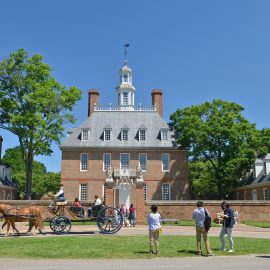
[{"x": 27, "y": 213}]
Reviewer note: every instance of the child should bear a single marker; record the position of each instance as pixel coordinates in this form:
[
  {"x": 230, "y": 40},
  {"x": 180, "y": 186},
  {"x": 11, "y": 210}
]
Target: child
[
  {"x": 131, "y": 216},
  {"x": 153, "y": 221}
]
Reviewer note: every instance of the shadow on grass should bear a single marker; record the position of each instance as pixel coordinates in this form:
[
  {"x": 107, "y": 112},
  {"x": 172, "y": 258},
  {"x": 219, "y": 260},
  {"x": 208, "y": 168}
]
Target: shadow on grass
[
  {"x": 193, "y": 252},
  {"x": 141, "y": 252}
]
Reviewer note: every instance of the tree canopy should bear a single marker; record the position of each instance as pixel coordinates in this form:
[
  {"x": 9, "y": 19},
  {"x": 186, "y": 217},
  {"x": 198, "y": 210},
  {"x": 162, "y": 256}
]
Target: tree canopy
[
  {"x": 222, "y": 143},
  {"x": 34, "y": 106},
  {"x": 43, "y": 181}
]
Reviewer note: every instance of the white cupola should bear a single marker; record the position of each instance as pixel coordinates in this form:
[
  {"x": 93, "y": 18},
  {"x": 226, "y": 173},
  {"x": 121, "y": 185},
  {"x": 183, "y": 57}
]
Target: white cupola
[{"x": 125, "y": 90}]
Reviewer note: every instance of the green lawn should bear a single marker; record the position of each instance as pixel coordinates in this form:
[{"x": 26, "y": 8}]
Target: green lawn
[
  {"x": 104, "y": 246},
  {"x": 261, "y": 224}
]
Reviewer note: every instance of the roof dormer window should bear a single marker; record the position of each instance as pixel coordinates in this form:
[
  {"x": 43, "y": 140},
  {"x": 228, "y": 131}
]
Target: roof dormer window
[
  {"x": 124, "y": 134},
  {"x": 85, "y": 134},
  {"x": 107, "y": 134},
  {"x": 142, "y": 134},
  {"x": 164, "y": 135}
]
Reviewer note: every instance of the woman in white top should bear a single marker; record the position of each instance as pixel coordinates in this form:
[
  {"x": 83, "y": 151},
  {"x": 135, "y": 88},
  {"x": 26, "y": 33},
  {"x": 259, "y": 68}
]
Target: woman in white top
[{"x": 153, "y": 221}]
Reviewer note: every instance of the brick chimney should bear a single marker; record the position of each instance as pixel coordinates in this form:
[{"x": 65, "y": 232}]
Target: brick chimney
[
  {"x": 157, "y": 100},
  {"x": 93, "y": 98},
  {"x": 1, "y": 140}
]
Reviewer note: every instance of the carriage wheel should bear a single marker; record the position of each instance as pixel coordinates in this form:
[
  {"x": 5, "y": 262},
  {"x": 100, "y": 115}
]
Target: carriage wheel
[
  {"x": 60, "y": 225},
  {"x": 109, "y": 220}
]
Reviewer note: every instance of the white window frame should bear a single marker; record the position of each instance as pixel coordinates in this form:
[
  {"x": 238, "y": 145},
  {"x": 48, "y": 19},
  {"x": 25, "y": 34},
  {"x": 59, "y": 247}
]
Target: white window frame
[
  {"x": 142, "y": 135},
  {"x": 254, "y": 195},
  {"x": 162, "y": 161},
  {"x": 106, "y": 166},
  {"x": 124, "y": 137},
  {"x": 144, "y": 168},
  {"x": 107, "y": 134},
  {"x": 83, "y": 167},
  {"x": 83, "y": 192},
  {"x": 85, "y": 134},
  {"x": 122, "y": 154},
  {"x": 125, "y": 98},
  {"x": 164, "y": 135},
  {"x": 169, "y": 191},
  {"x": 265, "y": 194},
  {"x": 104, "y": 193},
  {"x": 145, "y": 192}
]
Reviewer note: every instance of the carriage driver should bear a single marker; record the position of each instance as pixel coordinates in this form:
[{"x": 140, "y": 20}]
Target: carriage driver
[{"x": 58, "y": 197}]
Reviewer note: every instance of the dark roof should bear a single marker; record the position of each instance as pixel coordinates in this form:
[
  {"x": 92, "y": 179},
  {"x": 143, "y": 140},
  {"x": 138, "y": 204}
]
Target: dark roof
[{"x": 117, "y": 121}]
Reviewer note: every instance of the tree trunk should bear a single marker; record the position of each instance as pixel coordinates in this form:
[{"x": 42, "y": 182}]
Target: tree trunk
[
  {"x": 28, "y": 174},
  {"x": 220, "y": 189}
]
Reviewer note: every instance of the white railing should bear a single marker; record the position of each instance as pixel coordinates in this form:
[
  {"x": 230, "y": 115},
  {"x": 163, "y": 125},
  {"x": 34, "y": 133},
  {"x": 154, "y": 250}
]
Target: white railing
[
  {"x": 124, "y": 172},
  {"x": 125, "y": 108}
]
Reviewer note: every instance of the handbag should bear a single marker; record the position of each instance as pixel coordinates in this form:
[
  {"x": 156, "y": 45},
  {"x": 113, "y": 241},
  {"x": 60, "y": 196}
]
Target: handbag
[{"x": 207, "y": 221}]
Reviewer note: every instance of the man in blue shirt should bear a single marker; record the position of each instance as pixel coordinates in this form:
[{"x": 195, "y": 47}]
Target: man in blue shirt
[
  {"x": 227, "y": 227},
  {"x": 199, "y": 216}
]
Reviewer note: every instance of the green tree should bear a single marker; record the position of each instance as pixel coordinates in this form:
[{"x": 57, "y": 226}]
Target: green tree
[
  {"x": 43, "y": 182},
  {"x": 34, "y": 106},
  {"x": 219, "y": 135}
]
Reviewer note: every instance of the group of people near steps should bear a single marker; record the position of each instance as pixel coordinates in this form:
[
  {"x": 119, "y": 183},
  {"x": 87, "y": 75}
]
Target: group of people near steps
[{"x": 199, "y": 215}]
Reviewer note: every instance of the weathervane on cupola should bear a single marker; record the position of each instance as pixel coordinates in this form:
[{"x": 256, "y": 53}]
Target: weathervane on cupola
[
  {"x": 125, "y": 90},
  {"x": 126, "y": 45}
]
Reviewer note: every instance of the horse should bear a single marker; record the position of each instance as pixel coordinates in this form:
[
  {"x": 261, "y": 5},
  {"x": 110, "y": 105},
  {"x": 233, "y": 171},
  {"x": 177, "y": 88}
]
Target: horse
[{"x": 26, "y": 213}]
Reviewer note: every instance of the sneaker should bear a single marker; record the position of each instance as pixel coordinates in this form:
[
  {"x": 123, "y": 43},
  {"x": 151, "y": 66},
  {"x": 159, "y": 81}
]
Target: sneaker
[
  {"x": 210, "y": 254},
  {"x": 199, "y": 253},
  {"x": 223, "y": 249},
  {"x": 231, "y": 251}
]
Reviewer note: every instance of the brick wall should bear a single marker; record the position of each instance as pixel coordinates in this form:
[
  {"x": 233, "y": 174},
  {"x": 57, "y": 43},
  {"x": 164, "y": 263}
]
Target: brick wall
[
  {"x": 182, "y": 210},
  {"x": 248, "y": 210}
]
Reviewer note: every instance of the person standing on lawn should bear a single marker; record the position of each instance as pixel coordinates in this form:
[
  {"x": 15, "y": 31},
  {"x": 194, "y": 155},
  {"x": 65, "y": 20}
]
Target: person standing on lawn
[
  {"x": 153, "y": 220},
  {"x": 199, "y": 216},
  {"x": 227, "y": 226}
]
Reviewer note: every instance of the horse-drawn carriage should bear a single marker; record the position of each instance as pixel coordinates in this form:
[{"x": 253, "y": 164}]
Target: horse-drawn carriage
[{"x": 109, "y": 219}]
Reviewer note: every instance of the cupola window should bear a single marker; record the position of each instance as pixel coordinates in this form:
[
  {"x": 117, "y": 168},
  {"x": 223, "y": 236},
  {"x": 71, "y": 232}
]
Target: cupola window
[{"x": 125, "y": 98}]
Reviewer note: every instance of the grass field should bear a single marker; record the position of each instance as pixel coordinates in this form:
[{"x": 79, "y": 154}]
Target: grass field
[
  {"x": 102, "y": 246},
  {"x": 261, "y": 224}
]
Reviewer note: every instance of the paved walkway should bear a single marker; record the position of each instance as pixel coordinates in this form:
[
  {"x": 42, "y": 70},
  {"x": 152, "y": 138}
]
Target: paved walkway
[
  {"x": 203, "y": 263},
  {"x": 240, "y": 230}
]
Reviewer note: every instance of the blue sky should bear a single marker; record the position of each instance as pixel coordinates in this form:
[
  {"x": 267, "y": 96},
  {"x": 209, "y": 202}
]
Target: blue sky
[{"x": 194, "y": 51}]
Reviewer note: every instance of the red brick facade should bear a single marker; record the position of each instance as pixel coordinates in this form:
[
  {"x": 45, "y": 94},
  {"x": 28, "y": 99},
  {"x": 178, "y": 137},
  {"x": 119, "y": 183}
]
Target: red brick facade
[{"x": 177, "y": 177}]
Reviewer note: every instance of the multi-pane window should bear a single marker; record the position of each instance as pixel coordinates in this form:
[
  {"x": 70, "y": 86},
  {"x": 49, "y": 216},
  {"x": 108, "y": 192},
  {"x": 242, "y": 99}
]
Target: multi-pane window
[
  {"x": 142, "y": 136},
  {"x": 84, "y": 162},
  {"x": 124, "y": 161},
  {"x": 164, "y": 135},
  {"x": 254, "y": 195},
  {"x": 265, "y": 194},
  {"x": 124, "y": 134},
  {"x": 143, "y": 161},
  {"x": 106, "y": 161},
  {"x": 145, "y": 192},
  {"x": 165, "y": 162},
  {"x": 245, "y": 195},
  {"x": 85, "y": 135},
  {"x": 125, "y": 98},
  {"x": 107, "y": 134},
  {"x": 104, "y": 193},
  {"x": 166, "y": 194},
  {"x": 83, "y": 192},
  {"x": 125, "y": 78}
]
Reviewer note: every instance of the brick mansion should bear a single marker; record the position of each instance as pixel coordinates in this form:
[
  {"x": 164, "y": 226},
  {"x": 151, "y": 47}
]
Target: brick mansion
[{"x": 124, "y": 153}]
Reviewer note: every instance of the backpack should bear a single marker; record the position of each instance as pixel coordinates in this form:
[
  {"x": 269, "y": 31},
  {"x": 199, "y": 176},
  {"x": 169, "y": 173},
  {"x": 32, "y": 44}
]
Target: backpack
[{"x": 207, "y": 221}]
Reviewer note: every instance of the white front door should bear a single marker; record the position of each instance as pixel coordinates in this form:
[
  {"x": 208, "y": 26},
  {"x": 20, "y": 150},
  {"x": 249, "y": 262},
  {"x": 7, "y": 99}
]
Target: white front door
[{"x": 124, "y": 195}]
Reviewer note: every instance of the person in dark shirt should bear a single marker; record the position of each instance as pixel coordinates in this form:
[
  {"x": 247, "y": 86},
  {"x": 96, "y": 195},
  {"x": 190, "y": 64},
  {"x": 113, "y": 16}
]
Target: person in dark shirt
[{"x": 227, "y": 227}]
